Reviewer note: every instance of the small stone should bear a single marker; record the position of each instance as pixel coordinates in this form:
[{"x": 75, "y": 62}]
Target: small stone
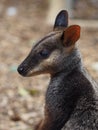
[{"x": 11, "y": 11}]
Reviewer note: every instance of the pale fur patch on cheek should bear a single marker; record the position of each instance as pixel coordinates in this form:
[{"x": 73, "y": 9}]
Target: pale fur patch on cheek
[
  {"x": 34, "y": 71},
  {"x": 51, "y": 59}
]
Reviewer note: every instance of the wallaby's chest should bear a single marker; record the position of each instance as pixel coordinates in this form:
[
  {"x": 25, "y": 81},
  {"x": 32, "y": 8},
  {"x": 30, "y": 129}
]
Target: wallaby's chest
[{"x": 61, "y": 98}]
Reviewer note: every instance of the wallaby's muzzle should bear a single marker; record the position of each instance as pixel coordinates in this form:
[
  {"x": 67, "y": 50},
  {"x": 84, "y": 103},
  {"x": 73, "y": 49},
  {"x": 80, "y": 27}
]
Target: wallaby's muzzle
[{"x": 28, "y": 66}]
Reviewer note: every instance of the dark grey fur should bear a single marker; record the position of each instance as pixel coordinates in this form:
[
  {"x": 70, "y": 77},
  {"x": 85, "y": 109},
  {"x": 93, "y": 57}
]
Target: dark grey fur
[{"x": 72, "y": 95}]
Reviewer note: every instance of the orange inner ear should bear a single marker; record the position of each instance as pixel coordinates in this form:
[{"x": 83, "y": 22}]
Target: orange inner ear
[{"x": 71, "y": 34}]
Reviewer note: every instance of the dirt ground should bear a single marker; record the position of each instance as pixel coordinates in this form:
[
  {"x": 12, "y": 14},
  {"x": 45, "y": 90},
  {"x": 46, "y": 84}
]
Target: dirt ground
[{"x": 22, "y": 99}]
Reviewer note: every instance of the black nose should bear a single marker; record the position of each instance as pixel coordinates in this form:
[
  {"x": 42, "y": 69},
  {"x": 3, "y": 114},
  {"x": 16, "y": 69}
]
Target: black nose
[{"x": 21, "y": 70}]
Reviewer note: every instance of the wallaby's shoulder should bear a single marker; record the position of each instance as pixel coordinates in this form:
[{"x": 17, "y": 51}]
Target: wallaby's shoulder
[
  {"x": 84, "y": 117},
  {"x": 85, "y": 114}
]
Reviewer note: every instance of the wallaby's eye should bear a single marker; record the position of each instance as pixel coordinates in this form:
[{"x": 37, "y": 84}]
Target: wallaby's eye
[{"x": 44, "y": 53}]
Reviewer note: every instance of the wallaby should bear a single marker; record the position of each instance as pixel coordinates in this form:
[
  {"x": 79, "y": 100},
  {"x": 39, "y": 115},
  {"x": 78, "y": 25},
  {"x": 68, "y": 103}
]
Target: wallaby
[{"x": 71, "y": 101}]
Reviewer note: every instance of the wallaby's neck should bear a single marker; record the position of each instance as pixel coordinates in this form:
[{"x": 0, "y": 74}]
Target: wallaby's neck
[
  {"x": 61, "y": 97},
  {"x": 69, "y": 63}
]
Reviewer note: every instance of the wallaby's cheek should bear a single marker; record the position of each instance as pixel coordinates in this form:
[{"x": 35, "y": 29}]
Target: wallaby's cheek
[
  {"x": 46, "y": 65},
  {"x": 49, "y": 65}
]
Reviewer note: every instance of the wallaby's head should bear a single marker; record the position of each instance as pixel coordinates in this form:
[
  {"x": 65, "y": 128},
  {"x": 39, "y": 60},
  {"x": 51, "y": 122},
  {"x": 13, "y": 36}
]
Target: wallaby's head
[{"x": 47, "y": 55}]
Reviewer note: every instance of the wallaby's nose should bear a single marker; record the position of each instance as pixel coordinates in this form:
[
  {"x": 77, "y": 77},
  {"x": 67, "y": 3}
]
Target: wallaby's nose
[{"x": 21, "y": 70}]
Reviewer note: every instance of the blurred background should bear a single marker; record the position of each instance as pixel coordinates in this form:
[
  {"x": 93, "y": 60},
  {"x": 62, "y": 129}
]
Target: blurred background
[{"x": 22, "y": 23}]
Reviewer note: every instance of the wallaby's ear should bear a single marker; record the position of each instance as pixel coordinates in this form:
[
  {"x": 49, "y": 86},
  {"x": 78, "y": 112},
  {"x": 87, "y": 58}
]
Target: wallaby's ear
[
  {"x": 61, "y": 20},
  {"x": 71, "y": 35}
]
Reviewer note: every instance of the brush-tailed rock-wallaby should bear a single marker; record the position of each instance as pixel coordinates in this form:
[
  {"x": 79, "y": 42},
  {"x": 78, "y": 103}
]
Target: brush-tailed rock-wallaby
[{"x": 71, "y": 101}]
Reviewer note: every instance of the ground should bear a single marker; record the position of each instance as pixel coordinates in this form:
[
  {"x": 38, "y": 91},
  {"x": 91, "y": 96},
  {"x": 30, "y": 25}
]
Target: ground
[{"x": 22, "y": 99}]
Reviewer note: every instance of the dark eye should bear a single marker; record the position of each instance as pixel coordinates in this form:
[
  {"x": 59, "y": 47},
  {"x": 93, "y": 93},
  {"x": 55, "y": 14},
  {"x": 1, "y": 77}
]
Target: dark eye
[{"x": 44, "y": 53}]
